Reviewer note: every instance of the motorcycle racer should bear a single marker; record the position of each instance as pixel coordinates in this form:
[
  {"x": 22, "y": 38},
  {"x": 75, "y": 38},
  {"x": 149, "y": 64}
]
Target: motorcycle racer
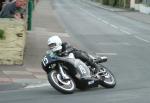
[{"x": 59, "y": 48}]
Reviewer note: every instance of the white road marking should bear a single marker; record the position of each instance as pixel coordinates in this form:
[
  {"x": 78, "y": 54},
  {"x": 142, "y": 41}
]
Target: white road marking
[
  {"x": 142, "y": 39},
  {"x": 91, "y": 14},
  {"x": 17, "y": 72},
  {"x": 113, "y": 54},
  {"x": 99, "y": 19},
  {"x": 37, "y": 85},
  {"x": 112, "y": 43},
  {"x": 88, "y": 13},
  {"x": 114, "y": 26},
  {"x": 126, "y": 32},
  {"x": 104, "y": 21}
]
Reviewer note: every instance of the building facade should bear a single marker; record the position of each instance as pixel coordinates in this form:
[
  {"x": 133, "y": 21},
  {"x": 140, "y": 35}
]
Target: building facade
[
  {"x": 147, "y": 2},
  {"x": 141, "y": 5}
]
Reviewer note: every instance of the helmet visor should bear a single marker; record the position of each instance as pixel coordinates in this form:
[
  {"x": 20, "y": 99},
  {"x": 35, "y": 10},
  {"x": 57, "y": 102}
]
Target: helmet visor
[{"x": 52, "y": 45}]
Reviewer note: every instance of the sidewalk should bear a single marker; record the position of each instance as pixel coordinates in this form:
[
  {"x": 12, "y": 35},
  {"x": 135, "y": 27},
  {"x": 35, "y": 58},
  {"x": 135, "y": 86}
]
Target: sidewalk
[
  {"x": 144, "y": 18},
  {"x": 135, "y": 15},
  {"x": 45, "y": 24}
]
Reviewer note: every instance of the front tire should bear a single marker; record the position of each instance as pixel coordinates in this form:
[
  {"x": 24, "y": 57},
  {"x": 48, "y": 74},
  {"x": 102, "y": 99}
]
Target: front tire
[{"x": 63, "y": 86}]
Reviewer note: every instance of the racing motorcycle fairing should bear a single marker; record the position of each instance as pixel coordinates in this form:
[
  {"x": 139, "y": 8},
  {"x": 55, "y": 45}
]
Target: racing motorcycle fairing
[{"x": 75, "y": 66}]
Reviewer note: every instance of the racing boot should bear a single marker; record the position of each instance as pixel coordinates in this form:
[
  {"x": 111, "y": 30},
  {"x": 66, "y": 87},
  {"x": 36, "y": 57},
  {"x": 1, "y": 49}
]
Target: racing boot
[{"x": 100, "y": 59}]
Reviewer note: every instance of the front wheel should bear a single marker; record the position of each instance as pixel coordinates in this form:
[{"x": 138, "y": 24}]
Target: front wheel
[
  {"x": 63, "y": 86},
  {"x": 107, "y": 78}
]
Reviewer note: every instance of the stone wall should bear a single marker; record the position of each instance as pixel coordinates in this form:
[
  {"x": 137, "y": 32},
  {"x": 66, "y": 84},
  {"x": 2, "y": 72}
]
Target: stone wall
[{"x": 12, "y": 48}]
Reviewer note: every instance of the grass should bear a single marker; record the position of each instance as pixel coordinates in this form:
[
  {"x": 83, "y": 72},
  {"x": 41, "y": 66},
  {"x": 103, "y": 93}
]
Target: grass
[{"x": 2, "y": 36}]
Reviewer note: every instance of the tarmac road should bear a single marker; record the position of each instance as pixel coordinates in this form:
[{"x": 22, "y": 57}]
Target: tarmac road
[{"x": 125, "y": 41}]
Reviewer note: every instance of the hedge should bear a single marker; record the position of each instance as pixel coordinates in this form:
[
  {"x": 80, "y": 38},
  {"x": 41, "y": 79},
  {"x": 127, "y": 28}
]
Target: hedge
[{"x": 116, "y": 3}]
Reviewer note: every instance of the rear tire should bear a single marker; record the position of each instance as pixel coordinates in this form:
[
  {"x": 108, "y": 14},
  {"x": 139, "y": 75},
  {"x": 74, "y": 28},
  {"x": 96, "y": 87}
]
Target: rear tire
[
  {"x": 65, "y": 87},
  {"x": 108, "y": 80}
]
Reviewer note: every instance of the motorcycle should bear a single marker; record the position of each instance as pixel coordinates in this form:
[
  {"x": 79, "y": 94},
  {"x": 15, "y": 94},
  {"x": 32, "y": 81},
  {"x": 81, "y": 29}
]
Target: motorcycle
[{"x": 67, "y": 73}]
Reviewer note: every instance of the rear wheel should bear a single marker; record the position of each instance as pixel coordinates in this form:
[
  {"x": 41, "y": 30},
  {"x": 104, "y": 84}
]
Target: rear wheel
[
  {"x": 63, "y": 86},
  {"x": 107, "y": 78}
]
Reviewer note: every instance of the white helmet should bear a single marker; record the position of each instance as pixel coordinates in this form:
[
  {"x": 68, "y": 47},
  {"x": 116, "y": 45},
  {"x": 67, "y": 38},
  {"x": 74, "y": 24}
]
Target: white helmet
[{"x": 55, "y": 43}]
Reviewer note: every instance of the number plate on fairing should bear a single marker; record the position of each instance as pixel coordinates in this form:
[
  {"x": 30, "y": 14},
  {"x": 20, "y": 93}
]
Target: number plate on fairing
[
  {"x": 48, "y": 59},
  {"x": 82, "y": 68}
]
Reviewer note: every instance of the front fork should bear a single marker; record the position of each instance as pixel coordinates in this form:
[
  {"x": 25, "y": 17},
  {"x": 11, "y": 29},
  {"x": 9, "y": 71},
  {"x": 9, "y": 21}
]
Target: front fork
[{"x": 62, "y": 72}]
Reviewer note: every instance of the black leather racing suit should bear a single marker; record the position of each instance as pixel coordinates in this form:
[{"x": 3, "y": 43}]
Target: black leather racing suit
[{"x": 82, "y": 55}]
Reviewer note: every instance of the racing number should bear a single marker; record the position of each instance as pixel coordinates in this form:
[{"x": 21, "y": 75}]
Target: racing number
[
  {"x": 83, "y": 71},
  {"x": 45, "y": 61}
]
